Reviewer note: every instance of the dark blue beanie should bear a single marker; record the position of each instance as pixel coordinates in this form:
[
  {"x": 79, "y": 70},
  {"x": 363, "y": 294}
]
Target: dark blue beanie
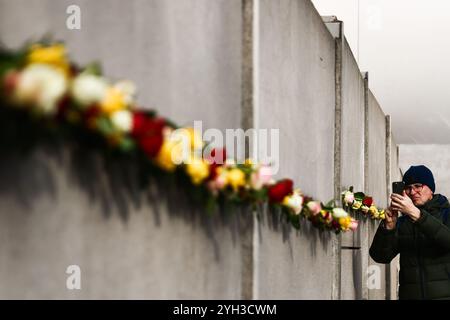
[{"x": 419, "y": 174}]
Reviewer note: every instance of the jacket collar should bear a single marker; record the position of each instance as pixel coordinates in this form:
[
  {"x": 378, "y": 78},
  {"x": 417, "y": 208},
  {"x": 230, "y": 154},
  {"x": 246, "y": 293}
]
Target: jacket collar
[{"x": 437, "y": 203}]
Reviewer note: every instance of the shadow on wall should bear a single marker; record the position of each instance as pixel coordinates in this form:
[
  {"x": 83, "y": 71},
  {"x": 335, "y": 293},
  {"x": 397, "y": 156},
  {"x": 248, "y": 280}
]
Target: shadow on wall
[
  {"x": 30, "y": 172},
  {"x": 274, "y": 220},
  {"x": 112, "y": 183}
]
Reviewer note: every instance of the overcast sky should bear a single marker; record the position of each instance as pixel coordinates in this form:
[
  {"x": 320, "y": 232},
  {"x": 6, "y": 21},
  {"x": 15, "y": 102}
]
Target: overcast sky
[{"x": 405, "y": 47}]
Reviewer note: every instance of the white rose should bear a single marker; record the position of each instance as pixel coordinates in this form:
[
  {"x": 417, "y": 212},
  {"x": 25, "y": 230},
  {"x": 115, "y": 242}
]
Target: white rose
[
  {"x": 349, "y": 197},
  {"x": 88, "y": 89},
  {"x": 41, "y": 84},
  {"x": 339, "y": 213},
  {"x": 295, "y": 202},
  {"x": 122, "y": 120}
]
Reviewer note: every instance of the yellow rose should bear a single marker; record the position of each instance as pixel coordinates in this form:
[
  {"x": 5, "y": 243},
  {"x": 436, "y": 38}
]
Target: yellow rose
[
  {"x": 54, "y": 55},
  {"x": 113, "y": 101},
  {"x": 373, "y": 210},
  {"x": 170, "y": 151},
  {"x": 345, "y": 222},
  {"x": 235, "y": 178},
  {"x": 197, "y": 169},
  {"x": 187, "y": 140},
  {"x": 193, "y": 137},
  {"x": 356, "y": 205}
]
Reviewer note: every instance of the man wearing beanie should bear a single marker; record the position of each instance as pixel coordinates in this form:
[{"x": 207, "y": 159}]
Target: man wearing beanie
[{"x": 421, "y": 235}]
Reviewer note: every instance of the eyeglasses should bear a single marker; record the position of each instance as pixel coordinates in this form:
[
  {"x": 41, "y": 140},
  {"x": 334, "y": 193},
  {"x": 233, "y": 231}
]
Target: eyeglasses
[{"x": 416, "y": 187}]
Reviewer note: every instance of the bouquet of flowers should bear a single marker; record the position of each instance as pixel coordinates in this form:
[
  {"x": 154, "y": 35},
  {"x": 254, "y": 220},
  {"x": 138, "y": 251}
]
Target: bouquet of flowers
[
  {"x": 360, "y": 203},
  {"x": 40, "y": 86}
]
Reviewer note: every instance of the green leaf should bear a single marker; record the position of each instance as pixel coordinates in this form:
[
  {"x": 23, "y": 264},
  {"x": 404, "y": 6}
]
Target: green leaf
[
  {"x": 127, "y": 144},
  {"x": 93, "y": 68},
  {"x": 295, "y": 221},
  {"x": 359, "y": 196},
  {"x": 331, "y": 204},
  {"x": 104, "y": 125},
  {"x": 10, "y": 60}
]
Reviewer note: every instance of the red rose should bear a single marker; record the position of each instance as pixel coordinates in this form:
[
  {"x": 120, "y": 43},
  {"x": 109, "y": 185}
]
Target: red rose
[
  {"x": 151, "y": 144},
  {"x": 335, "y": 224},
  {"x": 217, "y": 156},
  {"x": 145, "y": 125},
  {"x": 148, "y": 132},
  {"x": 139, "y": 122},
  {"x": 213, "y": 171},
  {"x": 155, "y": 126},
  {"x": 367, "y": 201},
  {"x": 281, "y": 189}
]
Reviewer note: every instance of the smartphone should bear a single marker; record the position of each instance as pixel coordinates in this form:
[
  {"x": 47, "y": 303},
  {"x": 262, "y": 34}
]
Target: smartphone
[{"x": 398, "y": 187}]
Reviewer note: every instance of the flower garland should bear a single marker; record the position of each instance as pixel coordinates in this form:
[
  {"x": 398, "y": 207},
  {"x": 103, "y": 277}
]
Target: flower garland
[
  {"x": 41, "y": 84},
  {"x": 360, "y": 203}
]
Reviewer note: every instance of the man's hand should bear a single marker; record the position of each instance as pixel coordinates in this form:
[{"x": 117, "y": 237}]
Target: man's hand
[
  {"x": 391, "y": 218},
  {"x": 405, "y": 205}
]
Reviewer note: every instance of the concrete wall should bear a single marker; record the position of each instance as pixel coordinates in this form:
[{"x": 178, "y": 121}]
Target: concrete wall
[
  {"x": 352, "y": 168},
  {"x": 185, "y": 57},
  {"x": 296, "y": 94},
  {"x": 59, "y": 210},
  {"x": 376, "y": 177},
  {"x": 436, "y": 157},
  {"x": 263, "y": 64},
  {"x": 395, "y": 175}
]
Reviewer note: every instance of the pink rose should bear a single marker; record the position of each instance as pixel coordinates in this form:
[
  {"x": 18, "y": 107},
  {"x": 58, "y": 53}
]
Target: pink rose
[
  {"x": 314, "y": 207},
  {"x": 261, "y": 177},
  {"x": 349, "y": 197},
  {"x": 353, "y": 225},
  {"x": 220, "y": 181},
  {"x": 217, "y": 184}
]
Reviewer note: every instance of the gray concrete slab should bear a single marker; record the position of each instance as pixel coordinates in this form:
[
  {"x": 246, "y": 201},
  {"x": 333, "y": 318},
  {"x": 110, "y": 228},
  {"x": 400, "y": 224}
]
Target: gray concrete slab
[
  {"x": 352, "y": 167},
  {"x": 296, "y": 95},
  {"x": 376, "y": 167}
]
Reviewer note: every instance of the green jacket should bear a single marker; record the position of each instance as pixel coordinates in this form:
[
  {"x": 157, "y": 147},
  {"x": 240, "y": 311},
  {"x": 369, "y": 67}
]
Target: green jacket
[{"x": 424, "y": 248}]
